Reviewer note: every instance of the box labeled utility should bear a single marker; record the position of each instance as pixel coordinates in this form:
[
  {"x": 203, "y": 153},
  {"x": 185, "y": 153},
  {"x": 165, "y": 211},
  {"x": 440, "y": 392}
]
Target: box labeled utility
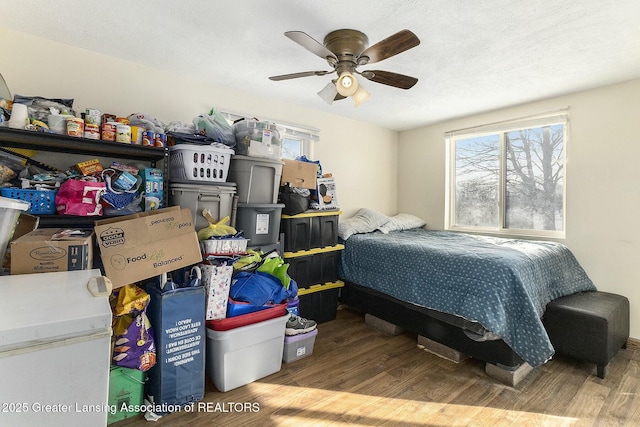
[
  {"x": 297, "y": 347},
  {"x": 327, "y": 194},
  {"x": 144, "y": 245},
  {"x": 46, "y": 250},
  {"x": 299, "y": 174}
]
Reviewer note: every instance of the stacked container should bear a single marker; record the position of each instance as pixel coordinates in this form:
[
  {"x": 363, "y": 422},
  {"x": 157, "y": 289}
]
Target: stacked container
[
  {"x": 312, "y": 251},
  {"x": 199, "y": 180},
  {"x": 258, "y": 214}
]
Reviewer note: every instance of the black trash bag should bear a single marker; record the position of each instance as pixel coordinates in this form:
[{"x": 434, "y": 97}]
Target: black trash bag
[{"x": 295, "y": 201}]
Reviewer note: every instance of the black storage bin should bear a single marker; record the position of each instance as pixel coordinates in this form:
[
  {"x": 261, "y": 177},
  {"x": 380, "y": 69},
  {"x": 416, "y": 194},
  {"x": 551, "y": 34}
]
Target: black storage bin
[
  {"x": 324, "y": 231},
  {"x": 319, "y": 302},
  {"x": 315, "y": 266},
  {"x": 312, "y": 229}
]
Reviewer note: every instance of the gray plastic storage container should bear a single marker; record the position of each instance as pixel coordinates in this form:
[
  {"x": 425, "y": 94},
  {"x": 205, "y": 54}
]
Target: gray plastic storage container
[
  {"x": 260, "y": 222},
  {"x": 257, "y": 178},
  {"x": 242, "y": 355},
  {"x": 217, "y": 198}
]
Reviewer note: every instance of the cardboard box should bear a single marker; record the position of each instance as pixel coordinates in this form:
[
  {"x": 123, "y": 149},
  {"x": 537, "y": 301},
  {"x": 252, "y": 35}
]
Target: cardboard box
[
  {"x": 42, "y": 251},
  {"x": 299, "y": 174},
  {"x": 140, "y": 246},
  {"x": 327, "y": 194}
]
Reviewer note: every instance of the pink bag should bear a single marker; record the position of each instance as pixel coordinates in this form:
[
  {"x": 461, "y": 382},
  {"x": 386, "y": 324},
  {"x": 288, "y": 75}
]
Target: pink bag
[{"x": 82, "y": 198}]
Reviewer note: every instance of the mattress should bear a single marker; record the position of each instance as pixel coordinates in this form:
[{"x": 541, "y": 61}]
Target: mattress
[{"x": 502, "y": 284}]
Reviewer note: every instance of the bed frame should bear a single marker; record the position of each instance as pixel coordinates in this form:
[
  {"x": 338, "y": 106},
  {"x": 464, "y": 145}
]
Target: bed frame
[{"x": 440, "y": 327}]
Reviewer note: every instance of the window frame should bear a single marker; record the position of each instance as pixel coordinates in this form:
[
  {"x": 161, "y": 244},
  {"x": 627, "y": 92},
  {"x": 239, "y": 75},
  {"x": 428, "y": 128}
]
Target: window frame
[{"x": 501, "y": 129}]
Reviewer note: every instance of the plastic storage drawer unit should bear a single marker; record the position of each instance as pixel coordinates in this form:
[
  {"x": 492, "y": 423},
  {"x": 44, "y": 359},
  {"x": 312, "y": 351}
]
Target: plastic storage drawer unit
[
  {"x": 257, "y": 178},
  {"x": 242, "y": 355},
  {"x": 217, "y": 198},
  {"x": 311, "y": 229},
  {"x": 260, "y": 222}
]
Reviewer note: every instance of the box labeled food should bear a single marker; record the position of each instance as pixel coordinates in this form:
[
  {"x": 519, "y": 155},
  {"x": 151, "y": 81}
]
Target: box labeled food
[
  {"x": 46, "y": 250},
  {"x": 144, "y": 245},
  {"x": 299, "y": 174},
  {"x": 89, "y": 167}
]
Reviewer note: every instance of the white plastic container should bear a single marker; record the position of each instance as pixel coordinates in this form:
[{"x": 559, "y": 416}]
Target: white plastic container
[
  {"x": 258, "y": 179},
  {"x": 242, "y": 355},
  {"x": 218, "y": 198},
  {"x": 9, "y": 212},
  {"x": 192, "y": 163},
  {"x": 55, "y": 350}
]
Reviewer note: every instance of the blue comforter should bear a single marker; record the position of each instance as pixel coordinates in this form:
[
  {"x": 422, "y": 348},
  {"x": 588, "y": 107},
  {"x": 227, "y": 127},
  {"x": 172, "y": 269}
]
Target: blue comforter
[{"x": 503, "y": 284}]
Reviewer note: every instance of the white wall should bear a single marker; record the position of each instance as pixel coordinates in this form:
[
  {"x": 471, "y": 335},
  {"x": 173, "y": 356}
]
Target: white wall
[
  {"x": 603, "y": 154},
  {"x": 362, "y": 157},
  {"x": 602, "y": 179}
]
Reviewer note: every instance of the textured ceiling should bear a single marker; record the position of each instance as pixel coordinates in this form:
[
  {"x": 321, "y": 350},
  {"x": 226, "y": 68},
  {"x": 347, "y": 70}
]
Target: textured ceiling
[{"x": 474, "y": 56}]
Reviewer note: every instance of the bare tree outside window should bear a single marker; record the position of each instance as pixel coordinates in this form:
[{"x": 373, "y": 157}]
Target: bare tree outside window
[
  {"x": 519, "y": 173},
  {"x": 534, "y": 178}
]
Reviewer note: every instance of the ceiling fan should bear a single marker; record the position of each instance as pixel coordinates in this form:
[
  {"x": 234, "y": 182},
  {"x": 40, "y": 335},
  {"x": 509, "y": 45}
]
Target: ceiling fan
[{"x": 344, "y": 51}]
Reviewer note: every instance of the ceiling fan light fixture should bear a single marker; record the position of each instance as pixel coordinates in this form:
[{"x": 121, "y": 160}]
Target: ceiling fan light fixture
[
  {"x": 360, "y": 96},
  {"x": 347, "y": 84},
  {"x": 328, "y": 93}
]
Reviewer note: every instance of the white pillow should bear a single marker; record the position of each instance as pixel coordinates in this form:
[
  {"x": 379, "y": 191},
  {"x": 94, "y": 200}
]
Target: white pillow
[
  {"x": 400, "y": 222},
  {"x": 364, "y": 221}
]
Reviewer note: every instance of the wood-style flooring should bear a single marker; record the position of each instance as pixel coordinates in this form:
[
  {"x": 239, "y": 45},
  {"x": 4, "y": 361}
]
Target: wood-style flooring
[{"x": 359, "y": 376}]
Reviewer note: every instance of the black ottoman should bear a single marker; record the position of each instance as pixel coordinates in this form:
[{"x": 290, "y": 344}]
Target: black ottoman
[{"x": 589, "y": 326}]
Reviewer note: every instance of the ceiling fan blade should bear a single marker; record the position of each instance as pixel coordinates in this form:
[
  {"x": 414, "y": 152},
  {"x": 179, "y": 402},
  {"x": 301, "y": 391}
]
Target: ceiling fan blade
[
  {"x": 392, "y": 45},
  {"x": 391, "y": 79},
  {"x": 297, "y": 75},
  {"x": 309, "y": 43}
]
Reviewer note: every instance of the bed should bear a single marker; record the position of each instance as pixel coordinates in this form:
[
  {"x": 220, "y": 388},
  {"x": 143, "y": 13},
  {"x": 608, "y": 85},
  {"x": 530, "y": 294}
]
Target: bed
[{"x": 483, "y": 296}]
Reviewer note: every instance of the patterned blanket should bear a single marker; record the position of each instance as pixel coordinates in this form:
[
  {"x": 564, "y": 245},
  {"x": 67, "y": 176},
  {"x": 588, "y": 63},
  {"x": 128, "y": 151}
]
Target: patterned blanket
[{"x": 503, "y": 284}]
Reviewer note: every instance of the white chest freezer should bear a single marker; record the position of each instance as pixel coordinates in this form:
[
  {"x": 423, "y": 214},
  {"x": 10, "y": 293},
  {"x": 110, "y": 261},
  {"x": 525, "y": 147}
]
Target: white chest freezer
[{"x": 54, "y": 350}]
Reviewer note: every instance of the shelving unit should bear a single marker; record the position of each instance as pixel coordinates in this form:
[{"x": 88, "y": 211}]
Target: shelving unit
[{"x": 15, "y": 138}]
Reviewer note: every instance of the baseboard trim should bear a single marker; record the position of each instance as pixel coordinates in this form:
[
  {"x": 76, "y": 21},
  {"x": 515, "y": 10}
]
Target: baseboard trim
[{"x": 633, "y": 344}]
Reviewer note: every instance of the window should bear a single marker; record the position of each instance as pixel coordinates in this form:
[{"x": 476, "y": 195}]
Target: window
[
  {"x": 509, "y": 177},
  {"x": 296, "y": 140}
]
